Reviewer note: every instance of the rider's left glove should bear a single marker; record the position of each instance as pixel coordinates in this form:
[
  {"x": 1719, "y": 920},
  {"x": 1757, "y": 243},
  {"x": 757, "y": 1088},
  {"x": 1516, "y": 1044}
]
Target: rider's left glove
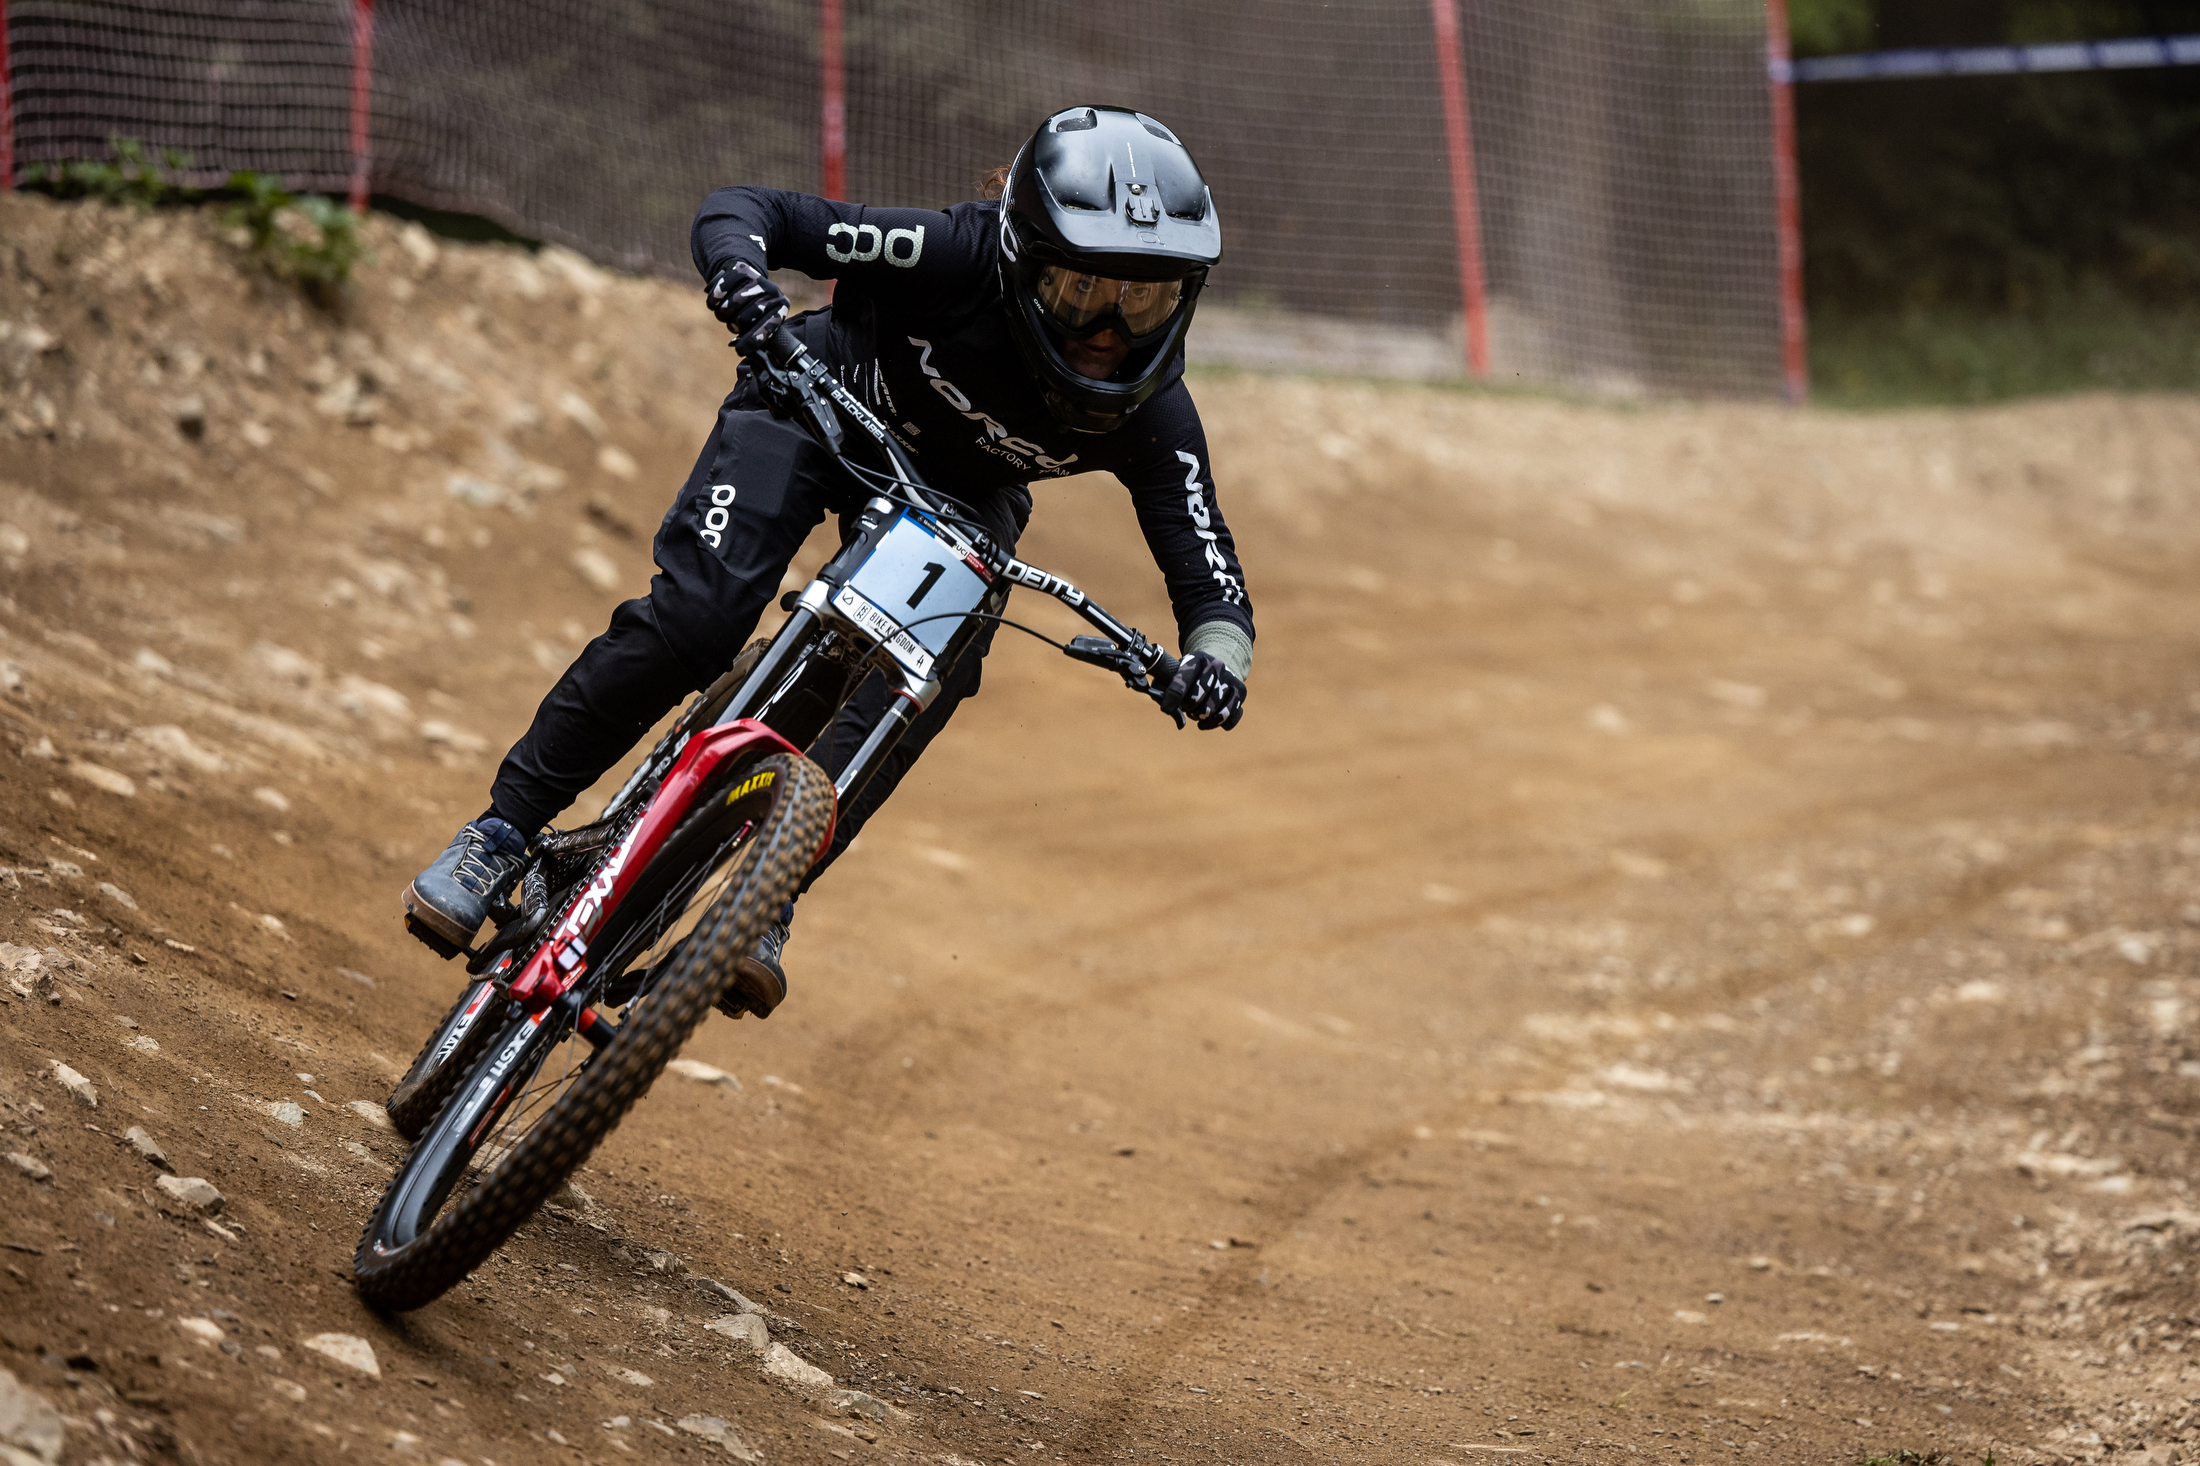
[
  {"x": 747, "y": 302},
  {"x": 1205, "y": 691}
]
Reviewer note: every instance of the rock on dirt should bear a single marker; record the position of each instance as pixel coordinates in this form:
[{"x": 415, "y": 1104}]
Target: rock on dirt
[
  {"x": 30, "y": 1427},
  {"x": 792, "y": 1370},
  {"x": 142, "y": 1141},
  {"x": 30, "y": 1166},
  {"x": 101, "y": 777},
  {"x": 79, "y": 1088},
  {"x": 205, "y": 1330},
  {"x": 349, "y": 1350},
  {"x": 719, "y": 1290},
  {"x": 870, "y": 1407},
  {"x": 719, "y": 1433},
  {"x": 703, "y": 1073},
  {"x": 746, "y": 1328},
  {"x": 192, "y": 1191},
  {"x": 573, "y": 1198},
  {"x": 370, "y": 1112}
]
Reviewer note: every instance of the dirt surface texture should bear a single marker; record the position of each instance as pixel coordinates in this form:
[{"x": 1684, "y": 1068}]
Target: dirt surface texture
[{"x": 1693, "y": 954}]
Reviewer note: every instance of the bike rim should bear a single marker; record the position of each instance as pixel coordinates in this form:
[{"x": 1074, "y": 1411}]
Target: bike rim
[{"x": 518, "y": 1085}]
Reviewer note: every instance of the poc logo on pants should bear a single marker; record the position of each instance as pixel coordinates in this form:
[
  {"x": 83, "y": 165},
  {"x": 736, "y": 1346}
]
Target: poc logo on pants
[{"x": 715, "y": 517}]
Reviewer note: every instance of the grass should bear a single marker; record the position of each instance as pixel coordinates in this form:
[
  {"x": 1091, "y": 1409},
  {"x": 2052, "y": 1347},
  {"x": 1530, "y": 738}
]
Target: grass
[
  {"x": 2096, "y": 341},
  {"x": 138, "y": 176},
  {"x": 312, "y": 240}
]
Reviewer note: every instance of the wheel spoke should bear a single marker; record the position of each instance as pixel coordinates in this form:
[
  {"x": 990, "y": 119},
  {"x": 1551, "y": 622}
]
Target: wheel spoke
[
  {"x": 529, "y": 1107},
  {"x": 688, "y": 910}
]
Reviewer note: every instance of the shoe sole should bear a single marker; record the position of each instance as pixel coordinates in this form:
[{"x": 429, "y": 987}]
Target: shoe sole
[
  {"x": 754, "y": 983},
  {"x": 418, "y": 909}
]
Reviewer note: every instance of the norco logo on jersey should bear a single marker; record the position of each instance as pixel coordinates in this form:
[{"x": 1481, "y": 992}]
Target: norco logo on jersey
[
  {"x": 867, "y": 242},
  {"x": 1195, "y": 504},
  {"x": 996, "y": 435}
]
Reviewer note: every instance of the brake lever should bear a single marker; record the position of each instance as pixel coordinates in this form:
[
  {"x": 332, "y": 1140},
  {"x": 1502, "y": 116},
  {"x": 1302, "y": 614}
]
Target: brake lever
[
  {"x": 794, "y": 395},
  {"x": 1099, "y": 651}
]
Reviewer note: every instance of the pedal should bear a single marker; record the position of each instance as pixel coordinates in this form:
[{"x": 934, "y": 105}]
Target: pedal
[{"x": 436, "y": 942}]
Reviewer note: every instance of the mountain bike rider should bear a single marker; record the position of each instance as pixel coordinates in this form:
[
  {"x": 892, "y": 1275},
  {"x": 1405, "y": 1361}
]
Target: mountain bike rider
[{"x": 1032, "y": 337}]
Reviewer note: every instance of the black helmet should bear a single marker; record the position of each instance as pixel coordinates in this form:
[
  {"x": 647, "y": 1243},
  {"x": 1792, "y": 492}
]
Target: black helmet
[{"x": 1105, "y": 223}]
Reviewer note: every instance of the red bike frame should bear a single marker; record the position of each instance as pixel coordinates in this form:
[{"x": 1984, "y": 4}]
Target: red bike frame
[{"x": 562, "y": 961}]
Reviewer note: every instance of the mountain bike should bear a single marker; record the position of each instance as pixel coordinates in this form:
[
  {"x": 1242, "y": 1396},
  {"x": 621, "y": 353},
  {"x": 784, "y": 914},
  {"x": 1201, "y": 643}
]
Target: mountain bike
[{"x": 619, "y": 937}]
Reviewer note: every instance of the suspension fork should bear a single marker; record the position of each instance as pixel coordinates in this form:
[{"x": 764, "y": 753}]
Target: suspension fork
[
  {"x": 905, "y": 704},
  {"x": 909, "y": 697}
]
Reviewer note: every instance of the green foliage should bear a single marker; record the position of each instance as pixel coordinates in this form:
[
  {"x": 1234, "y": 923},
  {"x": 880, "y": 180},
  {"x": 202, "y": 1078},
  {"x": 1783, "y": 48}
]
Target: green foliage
[
  {"x": 2004, "y": 191},
  {"x": 1830, "y": 27},
  {"x": 1968, "y": 239},
  {"x": 134, "y": 176},
  {"x": 2093, "y": 341},
  {"x": 304, "y": 237}
]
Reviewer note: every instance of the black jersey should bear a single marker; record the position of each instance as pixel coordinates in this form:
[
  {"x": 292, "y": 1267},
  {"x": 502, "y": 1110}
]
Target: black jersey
[{"x": 919, "y": 331}]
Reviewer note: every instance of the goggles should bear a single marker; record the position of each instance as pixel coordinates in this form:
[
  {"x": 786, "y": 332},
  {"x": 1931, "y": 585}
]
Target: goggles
[{"x": 1077, "y": 300}]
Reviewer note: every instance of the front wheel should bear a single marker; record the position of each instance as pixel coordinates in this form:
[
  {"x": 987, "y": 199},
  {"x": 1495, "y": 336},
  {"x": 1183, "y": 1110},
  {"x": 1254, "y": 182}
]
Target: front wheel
[{"x": 540, "y": 1099}]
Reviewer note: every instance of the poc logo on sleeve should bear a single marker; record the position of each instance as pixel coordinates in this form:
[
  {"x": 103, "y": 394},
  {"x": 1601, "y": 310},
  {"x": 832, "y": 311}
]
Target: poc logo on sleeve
[{"x": 868, "y": 242}]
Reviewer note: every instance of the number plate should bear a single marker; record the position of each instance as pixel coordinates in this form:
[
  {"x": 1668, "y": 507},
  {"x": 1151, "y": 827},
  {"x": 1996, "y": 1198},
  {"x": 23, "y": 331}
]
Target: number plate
[{"x": 909, "y": 593}]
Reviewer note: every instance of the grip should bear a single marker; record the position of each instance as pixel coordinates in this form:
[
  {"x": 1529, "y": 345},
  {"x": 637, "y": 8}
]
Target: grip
[{"x": 1164, "y": 671}]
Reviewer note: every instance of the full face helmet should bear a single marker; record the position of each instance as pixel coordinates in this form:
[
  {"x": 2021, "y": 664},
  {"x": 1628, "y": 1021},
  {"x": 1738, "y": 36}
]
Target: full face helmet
[{"x": 1106, "y": 224}]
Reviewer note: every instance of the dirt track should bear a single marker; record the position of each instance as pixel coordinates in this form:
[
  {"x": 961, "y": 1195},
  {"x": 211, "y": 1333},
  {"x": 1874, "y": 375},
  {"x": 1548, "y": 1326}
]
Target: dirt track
[{"x": 1694, "y": 952}]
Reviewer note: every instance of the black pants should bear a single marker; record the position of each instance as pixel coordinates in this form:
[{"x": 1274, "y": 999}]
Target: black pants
[{"x": 757, "y": 490}]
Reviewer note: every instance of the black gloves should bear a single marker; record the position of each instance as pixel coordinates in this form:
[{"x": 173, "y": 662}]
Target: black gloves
[
  {"x": 748, "y": 303},
  {"x": 1206, "y": 691}
]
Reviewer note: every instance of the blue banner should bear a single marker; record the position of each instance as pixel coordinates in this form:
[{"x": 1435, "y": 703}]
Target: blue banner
[{"x": 2128, "y": 53}]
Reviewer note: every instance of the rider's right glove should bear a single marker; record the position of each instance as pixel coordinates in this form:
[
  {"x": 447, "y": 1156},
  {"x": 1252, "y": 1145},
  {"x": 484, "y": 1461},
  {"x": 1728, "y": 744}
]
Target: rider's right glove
[
  {"x": 747, "y": 302},
  {"x": 1205, "y": 691}
]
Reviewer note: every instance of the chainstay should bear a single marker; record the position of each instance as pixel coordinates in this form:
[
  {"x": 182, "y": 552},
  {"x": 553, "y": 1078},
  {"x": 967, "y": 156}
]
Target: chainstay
[{"x": 460, "y": 1239}]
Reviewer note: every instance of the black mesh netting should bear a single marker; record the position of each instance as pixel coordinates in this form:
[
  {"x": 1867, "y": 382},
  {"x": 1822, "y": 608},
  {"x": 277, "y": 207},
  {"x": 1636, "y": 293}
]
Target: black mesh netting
[{"x": 1623, "y": 147}]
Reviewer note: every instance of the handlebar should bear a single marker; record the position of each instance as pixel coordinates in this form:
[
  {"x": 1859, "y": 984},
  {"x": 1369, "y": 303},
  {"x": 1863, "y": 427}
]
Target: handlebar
[{"x": 797, "y": 385}]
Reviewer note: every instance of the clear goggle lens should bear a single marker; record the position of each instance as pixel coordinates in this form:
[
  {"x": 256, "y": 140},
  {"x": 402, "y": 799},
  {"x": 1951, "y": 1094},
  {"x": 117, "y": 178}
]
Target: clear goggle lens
[{"x": 1077, "y": 300}]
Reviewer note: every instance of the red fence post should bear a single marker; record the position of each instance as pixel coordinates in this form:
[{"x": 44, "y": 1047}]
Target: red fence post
[
  {"x": 1788, "y": 198},
  {"x": 1466, "y": 210},
  {"x": 836, "y": 101},
  {"x": 7, "y": 106},
  {"x": 362, "y": 91}
]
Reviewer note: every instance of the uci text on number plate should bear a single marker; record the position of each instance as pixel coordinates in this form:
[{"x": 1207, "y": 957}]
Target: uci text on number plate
[{"x": 883, "y": 627}]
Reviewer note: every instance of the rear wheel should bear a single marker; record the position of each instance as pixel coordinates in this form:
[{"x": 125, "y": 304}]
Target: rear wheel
[
  {"x": 541, "y": 1097},
  {"x": 448, "y": 1056}
]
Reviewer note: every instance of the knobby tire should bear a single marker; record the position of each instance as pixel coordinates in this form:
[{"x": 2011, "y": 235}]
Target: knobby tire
[
  {"x": 420, "y": 1095},
  {"x": 474, "y": 1223},
  {"x": 414, "y": 1103}
]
